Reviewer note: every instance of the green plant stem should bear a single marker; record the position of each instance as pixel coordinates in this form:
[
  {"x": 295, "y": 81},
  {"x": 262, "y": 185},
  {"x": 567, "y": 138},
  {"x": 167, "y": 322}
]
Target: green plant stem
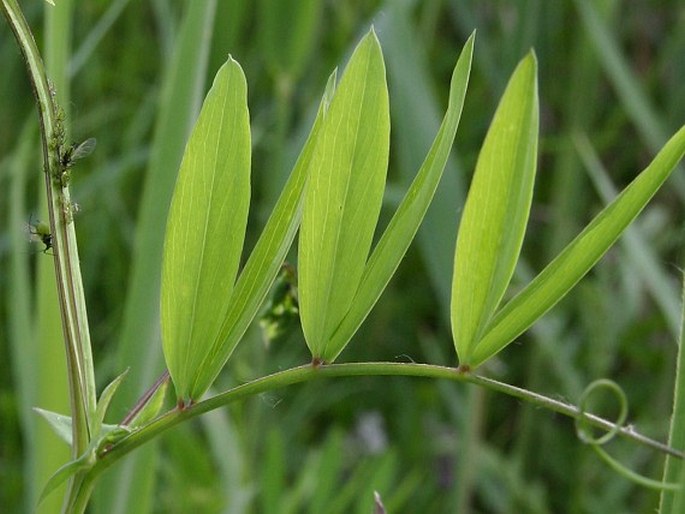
[
  {"x": 81, "y": 378},
  {"x": 79, "y": 492},
  {"x": 69, "y": 285},
  {"x": 308, "y": 372},
  {"x": 670, "y": 502}
]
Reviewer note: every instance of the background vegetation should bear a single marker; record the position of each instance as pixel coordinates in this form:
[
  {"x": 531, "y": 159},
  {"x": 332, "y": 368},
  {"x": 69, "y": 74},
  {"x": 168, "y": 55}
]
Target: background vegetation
[{"x": 610, "y": 74}]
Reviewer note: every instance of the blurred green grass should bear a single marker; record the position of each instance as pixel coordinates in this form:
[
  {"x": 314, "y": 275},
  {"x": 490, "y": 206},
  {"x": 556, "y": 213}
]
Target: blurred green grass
[{"x": 611, "y": 71}]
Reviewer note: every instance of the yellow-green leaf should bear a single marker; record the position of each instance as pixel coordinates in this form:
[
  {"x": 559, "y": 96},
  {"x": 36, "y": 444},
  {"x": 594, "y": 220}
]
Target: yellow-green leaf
[
  {"x": 344, "y": 194},
  {"x": 393, "y": 244},
  {"x": 496, "y": 211},
  {"x": 579, "y": 256},
  {"x": 265, "y": 260},
  {"x": 206, "y": 228}
]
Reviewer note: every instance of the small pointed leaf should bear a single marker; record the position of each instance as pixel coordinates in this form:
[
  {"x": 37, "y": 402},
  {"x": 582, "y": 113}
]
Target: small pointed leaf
[
  {"x": 206, "y": 228},
  {"x": 152, "y": 406},
  {"x": 579, "y": 256},
  {"x": 60, "y": 423},
  {"x": 109, "y": 434},
  {"x": 344, "y": 195},
  {"x": 86, "y": 461},
  {"x": 496, "y": 210},
  {"x": 105, "y": 400}
]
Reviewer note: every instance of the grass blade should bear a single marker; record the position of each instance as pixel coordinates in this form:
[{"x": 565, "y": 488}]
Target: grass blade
[
  {"x": 287, "y": 35},
  {"x": 18, "y": 297},
  {"x": 129, "y": 489},
  {"x": 646, "y": 120},
  {"x": 496, "y": 210},
  {"x": 674, "y": 470},
  {"x": 344, "y": 196},
  {"x": 579, "y": 256}
]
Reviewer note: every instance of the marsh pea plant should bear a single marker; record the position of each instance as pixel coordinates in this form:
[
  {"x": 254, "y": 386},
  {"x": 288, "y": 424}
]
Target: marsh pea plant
[{"x": 333, "y": 200}]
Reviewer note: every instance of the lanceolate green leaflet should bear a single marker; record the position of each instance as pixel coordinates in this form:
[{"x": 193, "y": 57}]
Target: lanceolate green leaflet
[{"x": 579, "y": 256}]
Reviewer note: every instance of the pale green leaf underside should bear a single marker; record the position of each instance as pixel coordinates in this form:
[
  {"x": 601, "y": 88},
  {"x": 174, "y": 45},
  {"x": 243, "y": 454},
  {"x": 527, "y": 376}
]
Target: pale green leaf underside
[
  {"x": 393, "y": 244},
  {"x": 206, "y": 227},
  {"x": 265, "y": 260},
  {"x": 496, "y": 211},
  {"x": 344, "y": 194},
  {"x": 579, "y": 256}
]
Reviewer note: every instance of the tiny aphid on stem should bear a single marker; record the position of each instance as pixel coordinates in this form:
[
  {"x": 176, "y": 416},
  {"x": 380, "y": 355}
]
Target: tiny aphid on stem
[{"x": 40, "y": 231}]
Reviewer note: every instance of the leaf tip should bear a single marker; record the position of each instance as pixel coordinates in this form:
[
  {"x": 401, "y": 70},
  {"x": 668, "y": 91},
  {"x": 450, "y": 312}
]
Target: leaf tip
[
  {"x": 470, "y": 43},
  {"x": 371, "y": 37}
]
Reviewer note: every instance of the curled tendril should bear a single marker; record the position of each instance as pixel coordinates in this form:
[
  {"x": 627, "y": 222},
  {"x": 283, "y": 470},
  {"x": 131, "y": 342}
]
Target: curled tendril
[
  {"x": 585, "y": 435},
  {"x": 582, "y": 427}
]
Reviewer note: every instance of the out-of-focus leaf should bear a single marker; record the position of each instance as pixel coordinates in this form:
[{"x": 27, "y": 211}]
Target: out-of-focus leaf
[
  {"x": 287, "y": 33},
  {"x": 379, "y": 508},
  {"x": 206, "y": 228},
  {"x": 496, "y": 211},
  {"x": 281, "y": 311}
]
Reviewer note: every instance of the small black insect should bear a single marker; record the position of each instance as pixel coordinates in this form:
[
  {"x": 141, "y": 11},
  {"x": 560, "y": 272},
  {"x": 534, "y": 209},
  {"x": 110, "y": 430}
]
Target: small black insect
[
  {"x": 40, "y": 231},
  {"x": 77, "y": 151}
]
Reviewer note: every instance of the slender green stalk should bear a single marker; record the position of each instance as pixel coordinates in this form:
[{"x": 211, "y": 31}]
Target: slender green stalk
[
  {"x": 67, "y": 270},
  {"x": 51, "y": 363},
  {"x": 674, "y": 471},
  {"x": 308, "y": 372},
  {"x": 81, "y": 380}
]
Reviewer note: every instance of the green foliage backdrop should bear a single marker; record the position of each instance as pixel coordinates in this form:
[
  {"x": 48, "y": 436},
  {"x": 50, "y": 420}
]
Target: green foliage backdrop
[{"x": 610, "y": 87}]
